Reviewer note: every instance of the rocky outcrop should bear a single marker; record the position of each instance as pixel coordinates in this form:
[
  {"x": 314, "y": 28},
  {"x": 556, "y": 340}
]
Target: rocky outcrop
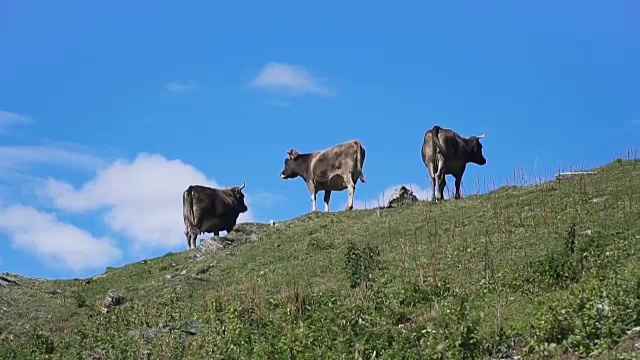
[
  {"x": 242, "y": 234},
  {"x": 401, "y": 196},
  {"x": 8, "y": 280},
  {"x": 571, "y": 174},
  {"x": 112, "y": 300}
]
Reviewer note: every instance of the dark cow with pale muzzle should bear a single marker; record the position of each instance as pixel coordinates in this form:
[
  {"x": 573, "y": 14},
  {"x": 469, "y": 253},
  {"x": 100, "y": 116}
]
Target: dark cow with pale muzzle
[
  {"x": 207, "y": 210},
  {"x": 445, "y": 152},
  {"x": 333, "y": 169}
]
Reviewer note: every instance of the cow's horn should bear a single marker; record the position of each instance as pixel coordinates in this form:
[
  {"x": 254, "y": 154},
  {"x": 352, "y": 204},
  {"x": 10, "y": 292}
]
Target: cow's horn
[
  {"x": 482, "y": 136},
  {"x": 244, "y": 183}
]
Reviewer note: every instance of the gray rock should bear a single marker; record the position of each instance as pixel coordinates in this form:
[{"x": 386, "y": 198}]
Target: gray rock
[
  {"x": 8, "y": 280},
  {"x": 401, "y": 196},
  {"x": 190, "y": 329},
  {"x": 112, "y": 300},
  {"x": 148, "y": 333},
  {"x": 242, "y": 234},
  {"x": 633, "y": 331},
  {"x": 194, "y": 327},
  {"x": 570, "y": 174}
]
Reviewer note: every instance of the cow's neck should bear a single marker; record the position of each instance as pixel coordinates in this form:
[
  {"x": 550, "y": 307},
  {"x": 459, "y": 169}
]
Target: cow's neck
[
  {"x": 467, "y": 145},
  {"x": 303, "y": 166}
]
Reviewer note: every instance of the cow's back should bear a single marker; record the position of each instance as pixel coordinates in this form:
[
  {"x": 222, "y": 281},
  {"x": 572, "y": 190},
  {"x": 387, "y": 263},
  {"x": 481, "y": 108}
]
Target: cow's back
[
  {"x": 334, "y": 160},
  {"x": 339, "y": 159},
  {"x": 209, "y": 202}
]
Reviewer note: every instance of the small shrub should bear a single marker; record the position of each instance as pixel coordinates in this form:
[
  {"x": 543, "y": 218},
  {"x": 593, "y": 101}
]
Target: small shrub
[
  {"x": 41, "y": 344},
  {"x": 560, "y": 269},
  {"x": 588, "y": 319},
  {"x": 360, "y": 263},
  {"x": 418, "y": 294},
  {"x": 80, "y": 300}
]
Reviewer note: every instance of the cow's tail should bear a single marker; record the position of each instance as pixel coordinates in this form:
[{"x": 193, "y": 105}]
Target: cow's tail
[
  {"x": 360, "y": 155},
  {"x": 187, "y": 209},
  {"x": 435, "y": 139},
  {"x": 436, "y": 145}
]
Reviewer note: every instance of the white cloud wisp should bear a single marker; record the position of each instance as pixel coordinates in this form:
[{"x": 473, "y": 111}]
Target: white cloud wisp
[
  {"x": 293, "y": 78},
  {"x": 180, "y": 87},
  {"x": 142, "y": 199},
  {"x": 56, "y": 242},
  {"x": 8, "y": 119},
  {"x": 16, "y": 156}
]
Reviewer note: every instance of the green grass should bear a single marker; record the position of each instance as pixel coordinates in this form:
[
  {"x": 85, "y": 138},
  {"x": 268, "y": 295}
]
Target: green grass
[{"x": 542, "y": 271}]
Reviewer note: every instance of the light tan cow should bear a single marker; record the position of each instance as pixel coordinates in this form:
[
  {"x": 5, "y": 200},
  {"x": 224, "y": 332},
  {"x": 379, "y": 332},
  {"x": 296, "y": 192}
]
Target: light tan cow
[{"x": 333, "y": 169}]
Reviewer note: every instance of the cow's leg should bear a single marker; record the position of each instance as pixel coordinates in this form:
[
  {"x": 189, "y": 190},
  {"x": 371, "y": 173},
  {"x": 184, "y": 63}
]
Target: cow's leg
[
  {"x": 216, "y": 233},
  {"x": 192, "y": 237},
  {"x": 458, "y": 183},
  {"x": 442, "y": 183},
  {"x": 432, "y": 177},
  {"x": 440, "y": 176},
  {"x": 352, "y": 189},
  {"x": 313, "y": 191},
  {"x": 189, "y": 234},
  {"x": 327, "y": 197}
]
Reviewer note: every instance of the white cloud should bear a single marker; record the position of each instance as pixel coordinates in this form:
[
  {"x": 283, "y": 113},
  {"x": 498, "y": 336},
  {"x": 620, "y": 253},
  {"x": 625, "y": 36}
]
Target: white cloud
[
  {"x": 13, "y": 157},
  {"x": 289, "y": 77},
  {"x": 9, "y": 118},
  {"x": 180, "y": 86},
  {"x": 142, "y": 198},
  {"x": 56, "y": 242}
]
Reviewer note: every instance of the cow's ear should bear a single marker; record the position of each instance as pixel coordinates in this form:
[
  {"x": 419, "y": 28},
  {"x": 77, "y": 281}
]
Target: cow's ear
[{"x": 293, "y": 154}]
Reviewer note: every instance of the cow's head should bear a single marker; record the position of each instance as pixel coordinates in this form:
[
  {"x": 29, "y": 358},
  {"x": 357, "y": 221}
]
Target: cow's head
[
  {"x": 290, "y": 170},
  {"x": 238, "y": 195},
  {"x": 475, "y": 150}
]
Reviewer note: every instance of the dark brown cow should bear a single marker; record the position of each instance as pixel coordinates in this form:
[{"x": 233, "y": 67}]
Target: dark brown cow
[
  {"x": 445, "y": 152},
  {"x": 206, "y": 209},
  {"x": 332, "y": 169}
]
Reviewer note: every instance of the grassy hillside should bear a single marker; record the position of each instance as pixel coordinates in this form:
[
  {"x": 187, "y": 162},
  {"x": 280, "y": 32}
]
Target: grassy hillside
[{"x": 545, "y": 271}]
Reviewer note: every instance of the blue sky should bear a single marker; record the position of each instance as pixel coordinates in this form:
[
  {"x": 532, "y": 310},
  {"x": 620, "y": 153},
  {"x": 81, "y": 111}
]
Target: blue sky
[{"x": 109, "y": 110}]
